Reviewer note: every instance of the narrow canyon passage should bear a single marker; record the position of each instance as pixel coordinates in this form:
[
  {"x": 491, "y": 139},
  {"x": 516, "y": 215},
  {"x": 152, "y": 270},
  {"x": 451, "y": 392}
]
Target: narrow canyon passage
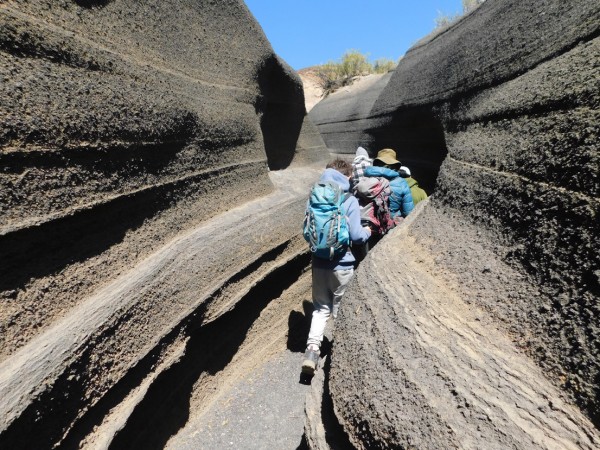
[
  {"x": 155, "y": 287},
  {"x": 152, "y": 400},
  {"x": 237, "y": 383},
  {"x": 257, "y": 401},
  {"x": 234, "y": 381}
]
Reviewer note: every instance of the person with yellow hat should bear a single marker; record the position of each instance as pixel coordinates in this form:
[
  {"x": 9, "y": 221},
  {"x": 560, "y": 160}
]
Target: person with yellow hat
[
  {"x": 401, "y": 201},
  {"x": 387, "y": 158}
]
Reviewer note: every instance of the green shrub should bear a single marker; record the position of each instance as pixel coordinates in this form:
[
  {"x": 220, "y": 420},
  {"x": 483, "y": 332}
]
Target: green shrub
[
  {"x": 383, "y": 65},
  {"x": 354, "y": 64},
  {"x": 470, "y": 5},
  {"x": 334, "y": 75},
  {"x": 330, "y": 77},
  {"x": 443, "y": 19}
]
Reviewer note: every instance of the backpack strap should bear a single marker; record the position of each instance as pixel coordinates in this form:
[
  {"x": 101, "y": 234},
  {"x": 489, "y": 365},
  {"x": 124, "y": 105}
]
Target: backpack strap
[{"x": 345, "y": 197}]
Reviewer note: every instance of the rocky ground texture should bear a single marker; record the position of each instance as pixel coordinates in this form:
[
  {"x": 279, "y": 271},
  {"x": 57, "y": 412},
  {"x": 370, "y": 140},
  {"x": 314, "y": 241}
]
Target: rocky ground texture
[{"x": 154, "y": 169}]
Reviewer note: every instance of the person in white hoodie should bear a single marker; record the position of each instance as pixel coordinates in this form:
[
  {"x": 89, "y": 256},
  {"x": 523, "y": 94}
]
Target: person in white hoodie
[{"x": 360, "y": 163}]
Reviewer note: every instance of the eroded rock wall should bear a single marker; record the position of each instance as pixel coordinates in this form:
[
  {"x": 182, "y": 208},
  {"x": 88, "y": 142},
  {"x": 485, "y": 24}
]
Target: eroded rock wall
[
  {"x": 125, "y": 126},
  {"x": 346, "y": 121},
  {"x": 108, "y": 122},
  {"x": 420, "y": 360},
  {"x": 513, "y": 87},
  {"x": 343, "y": 116}
]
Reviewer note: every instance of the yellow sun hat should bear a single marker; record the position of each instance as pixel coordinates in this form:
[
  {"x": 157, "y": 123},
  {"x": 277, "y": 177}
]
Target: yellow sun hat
[{"x": 387, "y": 156}]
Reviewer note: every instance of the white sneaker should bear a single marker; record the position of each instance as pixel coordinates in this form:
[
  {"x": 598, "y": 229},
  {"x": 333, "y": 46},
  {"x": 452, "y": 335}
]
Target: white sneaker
[{"x": 311, "y": 359}]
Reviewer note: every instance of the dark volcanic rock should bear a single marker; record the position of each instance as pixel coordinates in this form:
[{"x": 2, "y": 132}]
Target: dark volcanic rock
[
  {"x": 419, "y": 362},
  {"x": 125, "y": 126},
  {"x": 340, "y": 117},
  {"x": 504, "y": 104}
]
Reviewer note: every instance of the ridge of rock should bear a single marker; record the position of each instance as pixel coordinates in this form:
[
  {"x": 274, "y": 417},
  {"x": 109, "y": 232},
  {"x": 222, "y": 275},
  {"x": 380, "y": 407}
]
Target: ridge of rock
[
  {"x": 497, "y": 117},
  {"x": 136, "y": 142}
]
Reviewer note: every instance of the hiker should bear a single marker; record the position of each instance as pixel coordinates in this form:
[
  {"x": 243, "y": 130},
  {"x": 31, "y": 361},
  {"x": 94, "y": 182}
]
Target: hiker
[
  {"x": 373, "y": 194},
  {"x": 333, "y": 262},
  {"x": 359, "y": 164},
  {"x": 418, "y": 194},
  {"x": 386, "y": 165}
]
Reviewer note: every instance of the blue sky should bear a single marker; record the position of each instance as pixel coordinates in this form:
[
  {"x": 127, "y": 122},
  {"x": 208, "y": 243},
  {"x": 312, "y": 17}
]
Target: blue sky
[{"x": 310, "y": 32}]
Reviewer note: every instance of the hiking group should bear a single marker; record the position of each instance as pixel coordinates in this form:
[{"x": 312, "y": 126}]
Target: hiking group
[{"x": 349, "y": 210}]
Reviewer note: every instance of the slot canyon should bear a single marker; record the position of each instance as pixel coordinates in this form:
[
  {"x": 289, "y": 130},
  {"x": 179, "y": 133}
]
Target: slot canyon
[{"x": 155, "y": 163}]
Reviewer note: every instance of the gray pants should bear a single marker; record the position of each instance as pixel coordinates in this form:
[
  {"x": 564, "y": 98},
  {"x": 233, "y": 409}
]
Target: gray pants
[{"x": 328, "y": 286}]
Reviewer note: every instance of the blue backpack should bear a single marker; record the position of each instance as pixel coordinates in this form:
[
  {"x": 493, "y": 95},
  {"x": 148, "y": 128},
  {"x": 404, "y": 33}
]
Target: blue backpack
[{"x": 325, "y": 223}]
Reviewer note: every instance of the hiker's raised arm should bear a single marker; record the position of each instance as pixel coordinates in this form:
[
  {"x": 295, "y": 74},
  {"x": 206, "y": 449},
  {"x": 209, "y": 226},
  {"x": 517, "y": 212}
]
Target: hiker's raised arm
[
  {"x": 358, "y": 233},
  {"x": 378, "y": 171}
]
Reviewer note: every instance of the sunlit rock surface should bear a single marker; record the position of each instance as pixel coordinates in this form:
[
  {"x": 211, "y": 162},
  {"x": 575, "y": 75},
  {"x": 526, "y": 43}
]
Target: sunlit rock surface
[
  {"x": 475, "y": 325},
  {"x": 136, "y": 202},
  {"x": 343, "y": 116}
]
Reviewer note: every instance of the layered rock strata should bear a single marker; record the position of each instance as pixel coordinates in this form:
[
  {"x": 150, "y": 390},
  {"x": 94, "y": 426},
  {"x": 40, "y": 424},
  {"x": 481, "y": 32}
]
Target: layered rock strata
[
  {"x": 419, "y": 361},
  {"x": 344, "y": 115},
  {"x": 514, "y": 239},
  {"x": 132, "y": 136}
]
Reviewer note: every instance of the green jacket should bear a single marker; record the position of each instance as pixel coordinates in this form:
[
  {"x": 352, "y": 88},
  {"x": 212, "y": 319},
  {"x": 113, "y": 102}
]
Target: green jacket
[{"x": 418, "y": 194}]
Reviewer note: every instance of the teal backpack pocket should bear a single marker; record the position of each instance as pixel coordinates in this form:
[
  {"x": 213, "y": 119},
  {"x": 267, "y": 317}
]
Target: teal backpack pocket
[{"x": 325, "y": 224}]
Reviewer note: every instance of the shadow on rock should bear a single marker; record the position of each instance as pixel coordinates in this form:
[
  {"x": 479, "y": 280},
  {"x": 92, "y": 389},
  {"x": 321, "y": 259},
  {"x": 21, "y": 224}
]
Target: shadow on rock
[
  {"x": 298, "y": 328},
  {"x": 92, "y": 3},
  {"x": 335, "y": 435},
  {"x": 166, "y": 407}
]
